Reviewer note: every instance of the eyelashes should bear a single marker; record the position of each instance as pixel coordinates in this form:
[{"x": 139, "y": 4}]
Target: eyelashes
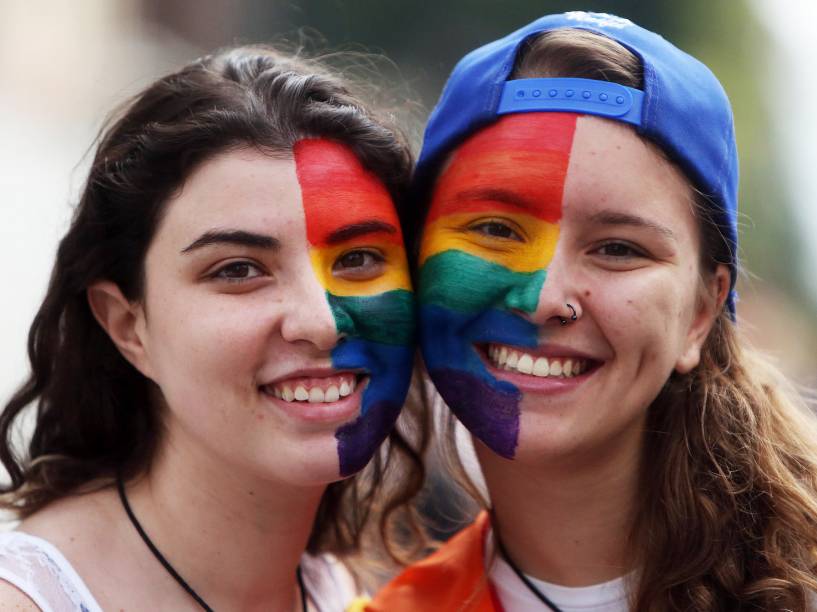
[
  {"x": 500, "y": 229},
  {"x": 360, "y": 264},
  {"x": 619, "y": 250},
  {"x": 236, "y": 272}
]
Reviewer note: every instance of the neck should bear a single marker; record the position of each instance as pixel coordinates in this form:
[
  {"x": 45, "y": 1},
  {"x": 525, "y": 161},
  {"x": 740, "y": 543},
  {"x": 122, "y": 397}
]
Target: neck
[
  {"x": 236, "y": 539},
  {"x": 569, "y": 523}
]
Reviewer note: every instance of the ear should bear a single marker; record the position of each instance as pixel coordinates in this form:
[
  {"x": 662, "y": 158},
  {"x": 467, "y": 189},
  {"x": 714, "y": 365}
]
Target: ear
[
  {"x": 709, "y": 307},
  {"x": 122, "y": 320}
]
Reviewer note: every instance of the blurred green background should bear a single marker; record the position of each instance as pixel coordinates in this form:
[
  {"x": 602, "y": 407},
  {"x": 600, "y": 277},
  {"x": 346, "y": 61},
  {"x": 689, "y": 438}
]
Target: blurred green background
[{"x": 65, "y": 65}]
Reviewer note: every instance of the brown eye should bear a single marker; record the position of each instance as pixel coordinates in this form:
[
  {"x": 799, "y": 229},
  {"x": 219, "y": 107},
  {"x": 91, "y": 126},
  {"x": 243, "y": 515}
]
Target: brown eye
[
  {"x": 237, "y": 271},
  {"x": 359, "y": 265},
  {"x": 619, "y": 250},
  {"x": 496, "y": 229}
]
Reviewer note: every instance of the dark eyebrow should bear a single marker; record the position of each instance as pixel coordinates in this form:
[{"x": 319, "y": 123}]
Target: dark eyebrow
[
  {"x": 360, "y": 229},
  {"x": 238, "y": 237},
  {"x": 609, "y": 217},
  {"x": 496, "y": 195}
]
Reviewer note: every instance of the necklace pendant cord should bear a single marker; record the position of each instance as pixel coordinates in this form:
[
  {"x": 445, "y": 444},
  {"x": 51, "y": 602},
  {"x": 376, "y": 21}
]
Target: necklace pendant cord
[
  {"x": 525, "y": 580},
  {"x": 120, "y": 485}
]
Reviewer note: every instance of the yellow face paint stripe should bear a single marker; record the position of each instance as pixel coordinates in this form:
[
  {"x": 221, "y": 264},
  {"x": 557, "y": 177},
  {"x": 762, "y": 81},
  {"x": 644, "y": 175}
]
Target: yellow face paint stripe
[
  {"x": 396, "y": 274},
  {"x": 459, "y": 232}
]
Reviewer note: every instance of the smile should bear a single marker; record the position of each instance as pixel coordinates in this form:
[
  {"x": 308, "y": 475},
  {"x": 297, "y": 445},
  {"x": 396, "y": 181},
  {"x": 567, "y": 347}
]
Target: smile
[
  {"x": 515, "y": 360},
  {"x": 314, "y": 390}
]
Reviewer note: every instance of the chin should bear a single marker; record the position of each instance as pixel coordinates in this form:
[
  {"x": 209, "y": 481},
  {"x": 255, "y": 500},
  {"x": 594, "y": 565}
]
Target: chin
[{"x": 307, "y": 463}]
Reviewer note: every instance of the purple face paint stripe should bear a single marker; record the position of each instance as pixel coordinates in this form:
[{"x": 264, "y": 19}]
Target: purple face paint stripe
[
  {"x": 358, "y": 440},
  {"x": 492, "y": 415}
]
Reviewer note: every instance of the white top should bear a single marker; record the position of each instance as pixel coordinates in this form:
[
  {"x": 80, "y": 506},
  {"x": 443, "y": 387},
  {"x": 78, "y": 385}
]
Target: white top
[
  {"x": 515, "y": 595},
  {"x": 39, "y": 570}
]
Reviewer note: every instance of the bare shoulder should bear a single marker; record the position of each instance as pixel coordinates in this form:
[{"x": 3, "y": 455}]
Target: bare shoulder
[
  {"x": 14, "y": 600},
  {"x": 71, "y": 517}
]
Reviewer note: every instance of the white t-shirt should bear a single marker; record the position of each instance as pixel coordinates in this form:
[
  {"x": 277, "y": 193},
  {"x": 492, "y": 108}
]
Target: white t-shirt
[
  {"x": 39, "y": 570},
  {"x": 515, "y": 595}
]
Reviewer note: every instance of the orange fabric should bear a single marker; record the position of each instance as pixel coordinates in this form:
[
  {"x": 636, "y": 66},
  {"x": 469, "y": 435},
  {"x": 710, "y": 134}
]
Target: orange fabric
[{"x": 450, "y": 580}]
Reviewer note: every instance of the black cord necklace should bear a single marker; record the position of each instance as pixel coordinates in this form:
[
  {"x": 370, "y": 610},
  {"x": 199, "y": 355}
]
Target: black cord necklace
[
  {"x": 525, "y": 580},
  {"x": 166, "y": 564}
]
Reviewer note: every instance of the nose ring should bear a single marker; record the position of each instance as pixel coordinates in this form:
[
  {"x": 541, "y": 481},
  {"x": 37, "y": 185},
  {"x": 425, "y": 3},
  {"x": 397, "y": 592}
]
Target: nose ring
[{"x": 573, "y": 317}]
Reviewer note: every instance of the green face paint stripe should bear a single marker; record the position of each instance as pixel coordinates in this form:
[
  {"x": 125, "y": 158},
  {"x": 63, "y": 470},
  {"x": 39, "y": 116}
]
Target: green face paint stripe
[
  {"x": 467, "y": 283},
  {"x": 387, "y": 318}
]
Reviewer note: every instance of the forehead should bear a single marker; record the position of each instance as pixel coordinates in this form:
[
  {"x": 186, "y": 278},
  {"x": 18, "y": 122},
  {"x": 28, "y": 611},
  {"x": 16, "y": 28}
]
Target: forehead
[
  {"x": 323, "y": 182},
  {"x": 338, "y": 191},
  {"x": 529, "y": 153},
  {"x": 567, "y": 163},
  {"x": 613, "y": 168},
  {"x": 237, "y": 188}
]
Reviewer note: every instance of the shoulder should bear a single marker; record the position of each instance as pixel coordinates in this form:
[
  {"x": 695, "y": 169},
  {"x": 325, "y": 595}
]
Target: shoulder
[
  {"x": 15, "y": 600},
  {"x": 24, "y": 565},
  {"x": 34, "y": 572},
  {"x": 451, "y": 578}
]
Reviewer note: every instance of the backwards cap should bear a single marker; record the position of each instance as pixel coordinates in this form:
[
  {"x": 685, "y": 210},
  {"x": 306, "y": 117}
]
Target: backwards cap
[{"x": 683, "y": 109}]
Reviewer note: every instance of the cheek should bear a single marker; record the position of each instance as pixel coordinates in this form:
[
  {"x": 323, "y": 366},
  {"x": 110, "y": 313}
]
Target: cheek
[
  {"x": 645, "y": 319},
  {"x": 196, "y": 341}
]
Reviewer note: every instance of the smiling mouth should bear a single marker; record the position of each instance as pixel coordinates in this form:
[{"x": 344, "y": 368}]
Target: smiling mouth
[
  {"x": 312, "y": 390},
  {"x": 517, "y": 361}
]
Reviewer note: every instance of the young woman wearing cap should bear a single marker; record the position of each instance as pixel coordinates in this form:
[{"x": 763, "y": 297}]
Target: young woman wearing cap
[
  {"x": 576, "y": 255},
  {"x": 227, "y": 335}
]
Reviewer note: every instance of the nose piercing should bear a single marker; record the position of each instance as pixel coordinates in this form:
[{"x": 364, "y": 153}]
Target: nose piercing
[{"x": 573, "y": 317}]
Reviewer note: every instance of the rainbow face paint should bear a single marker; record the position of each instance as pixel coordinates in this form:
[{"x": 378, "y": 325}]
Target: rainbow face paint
[
  {"x": 491, "y": 231},
  {"x": 347, "y": 207}
]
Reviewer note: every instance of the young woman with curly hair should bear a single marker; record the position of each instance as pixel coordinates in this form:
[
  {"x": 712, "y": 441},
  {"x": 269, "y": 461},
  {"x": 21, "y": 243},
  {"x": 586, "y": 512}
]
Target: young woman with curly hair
[{"x": 576, "y": 260}]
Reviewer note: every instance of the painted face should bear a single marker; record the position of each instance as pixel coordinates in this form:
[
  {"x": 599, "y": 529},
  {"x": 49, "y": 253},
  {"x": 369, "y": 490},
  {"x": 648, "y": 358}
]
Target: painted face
[
  {"x": 473, "y": 278},
  {"x": 533, "y": 212},
  {"x": 279, "y": 321},
  {"x": 345, "y": 207}
]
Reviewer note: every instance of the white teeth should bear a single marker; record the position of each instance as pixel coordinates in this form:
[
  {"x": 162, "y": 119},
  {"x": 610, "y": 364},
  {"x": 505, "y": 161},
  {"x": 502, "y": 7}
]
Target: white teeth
[
  {"x": 525, "y": 364},
  {"x": 314, "y": 395},
  {"x": 509, "y": 359},
  {"x": 332, "y": 394},
  {"x": 513, "y": 359}
]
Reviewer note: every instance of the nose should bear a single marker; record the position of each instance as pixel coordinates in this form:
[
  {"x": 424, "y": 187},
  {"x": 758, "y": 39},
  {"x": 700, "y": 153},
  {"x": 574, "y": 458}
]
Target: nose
[
  {"x": 557, "y": 302},
  {"x": 309, "y": 318}
]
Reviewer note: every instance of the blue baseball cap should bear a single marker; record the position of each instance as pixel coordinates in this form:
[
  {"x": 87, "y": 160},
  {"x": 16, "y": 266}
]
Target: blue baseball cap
[{"x": 682, "y": 108}]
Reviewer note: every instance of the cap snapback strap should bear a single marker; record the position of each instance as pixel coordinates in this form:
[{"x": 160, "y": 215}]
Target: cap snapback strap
[{"x": 587, "y": 96}]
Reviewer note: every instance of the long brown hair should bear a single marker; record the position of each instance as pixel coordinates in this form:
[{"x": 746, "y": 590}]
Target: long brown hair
[
  {"x": 726, "y": 517},
  {"x": 94, "y": 414}
]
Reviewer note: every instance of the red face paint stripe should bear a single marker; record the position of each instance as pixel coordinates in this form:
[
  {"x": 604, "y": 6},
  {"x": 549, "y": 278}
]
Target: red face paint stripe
[
  {"x": 338, "y": 192},
  {"x": 518, "y": 164}
]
